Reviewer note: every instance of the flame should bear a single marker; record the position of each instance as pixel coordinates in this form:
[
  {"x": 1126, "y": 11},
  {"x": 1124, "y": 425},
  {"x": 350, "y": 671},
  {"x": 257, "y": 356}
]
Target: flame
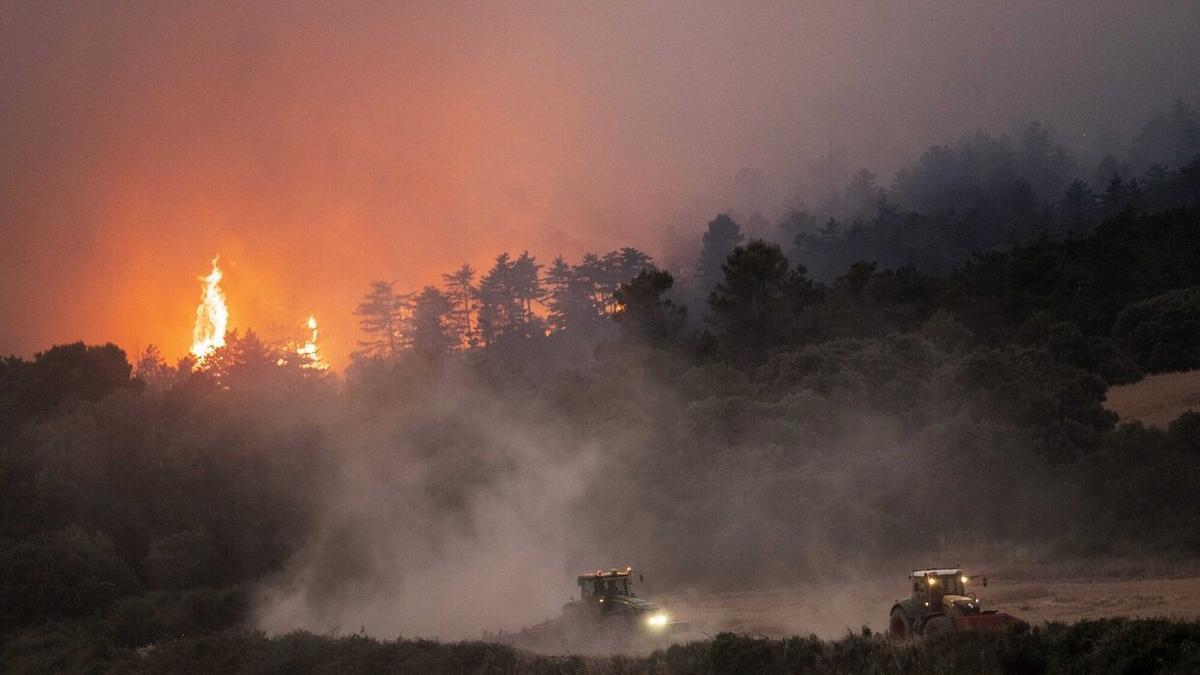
[
  {"x": 310, "y": 354},
  {"x": 212, "y": 316}
]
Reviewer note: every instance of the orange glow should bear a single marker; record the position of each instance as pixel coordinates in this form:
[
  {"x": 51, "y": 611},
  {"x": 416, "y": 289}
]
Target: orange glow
[
  {"x": 319, "y": 146},
  {"x": 212, "y": 317}
]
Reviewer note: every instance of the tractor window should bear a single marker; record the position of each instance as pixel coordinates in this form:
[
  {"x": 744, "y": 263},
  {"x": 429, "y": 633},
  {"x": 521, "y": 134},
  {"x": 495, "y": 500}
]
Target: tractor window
[{"x": 951, "y": 585}]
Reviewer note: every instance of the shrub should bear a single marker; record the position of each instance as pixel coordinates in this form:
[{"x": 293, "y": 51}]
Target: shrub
[
  {"x": 66, "y": 574},
  {"x": 1163, "y": 333}
]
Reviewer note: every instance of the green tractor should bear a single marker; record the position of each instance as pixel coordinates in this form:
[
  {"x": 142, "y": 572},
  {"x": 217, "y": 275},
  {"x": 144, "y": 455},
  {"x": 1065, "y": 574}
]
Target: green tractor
[
  {"x": 941, "y": 603},
  {"x": 607, "y": 615}
]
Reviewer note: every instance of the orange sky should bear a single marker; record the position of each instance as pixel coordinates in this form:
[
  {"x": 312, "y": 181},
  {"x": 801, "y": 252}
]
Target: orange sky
[{"x": 318, "y": 146}]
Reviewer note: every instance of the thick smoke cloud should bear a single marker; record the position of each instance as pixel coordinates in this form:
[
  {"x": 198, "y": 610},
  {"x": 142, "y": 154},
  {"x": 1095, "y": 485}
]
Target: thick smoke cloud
[
  {"x": 450, "y": 513},
  {"x": 317, "y": 148}
]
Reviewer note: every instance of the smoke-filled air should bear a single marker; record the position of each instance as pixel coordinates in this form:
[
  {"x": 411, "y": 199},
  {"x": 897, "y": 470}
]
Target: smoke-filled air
[{"x": 600, "y": 337}]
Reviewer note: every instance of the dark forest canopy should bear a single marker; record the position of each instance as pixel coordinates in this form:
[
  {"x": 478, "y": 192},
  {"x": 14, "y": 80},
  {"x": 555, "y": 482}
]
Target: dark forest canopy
[
  {"x": 707, "y": 414},
  {"x": 958, "y": 203}
]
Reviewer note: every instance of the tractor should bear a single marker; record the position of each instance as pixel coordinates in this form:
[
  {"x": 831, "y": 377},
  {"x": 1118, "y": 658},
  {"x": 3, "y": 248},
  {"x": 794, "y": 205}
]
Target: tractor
[
  {"x": 607, "y": 615},
  {"x": 940, "y": 603},
  {"x": 608, "y": 607}
]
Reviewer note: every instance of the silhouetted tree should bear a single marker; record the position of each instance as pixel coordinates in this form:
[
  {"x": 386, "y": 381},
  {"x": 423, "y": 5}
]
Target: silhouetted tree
[
  {"x": 381, "y": 317},
  {"x": 570, "y": 298},
  {"x": 643, "y": 313},
  {"x": 760, "y": 296},
  {"x": 526, "y": 284},
  {"x": 594, "y": 273},
  {"x": 460, "y": 288},
  {"x": 244, "y": 360},
  {"x": 722, "y": 236},
  {"x": 501, "y": 312},
  {"x": 432, "y": 327},
  {"x": 153, "y": 370}
]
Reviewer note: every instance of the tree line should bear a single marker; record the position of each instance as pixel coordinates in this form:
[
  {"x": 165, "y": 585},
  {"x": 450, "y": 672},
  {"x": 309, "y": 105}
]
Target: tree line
[{"x": 516, "y": 298}]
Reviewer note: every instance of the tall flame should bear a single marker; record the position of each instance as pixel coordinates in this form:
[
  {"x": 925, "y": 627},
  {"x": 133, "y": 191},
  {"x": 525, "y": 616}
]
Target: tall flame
[
  {"x": 212, "y": 316},
  {"x": 309, "y": 353}
]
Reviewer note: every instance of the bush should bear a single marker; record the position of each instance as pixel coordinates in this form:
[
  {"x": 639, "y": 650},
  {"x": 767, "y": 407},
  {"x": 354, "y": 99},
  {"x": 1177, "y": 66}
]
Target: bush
[
  {"x": 62, "y": 575},
  {"x": 1162, "y": 334}
]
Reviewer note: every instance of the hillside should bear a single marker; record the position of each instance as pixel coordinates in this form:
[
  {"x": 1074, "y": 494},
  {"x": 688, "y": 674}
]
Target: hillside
[{"x": 1157, "y": 399}]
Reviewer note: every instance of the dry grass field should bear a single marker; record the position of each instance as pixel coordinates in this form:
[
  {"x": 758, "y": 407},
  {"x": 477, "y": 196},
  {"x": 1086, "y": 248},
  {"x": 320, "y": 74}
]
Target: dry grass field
[
  {"x": 1157, "y": 399},
  {"x": 830, "y": 615}
]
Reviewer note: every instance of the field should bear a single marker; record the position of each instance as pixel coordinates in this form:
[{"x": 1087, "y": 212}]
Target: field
[
  {"x": 1156, "y": 399},
  {"x": 830, "y": 614}
]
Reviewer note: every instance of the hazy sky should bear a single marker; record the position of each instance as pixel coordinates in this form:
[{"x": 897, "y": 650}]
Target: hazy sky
[{"x": 318, "y": 146}]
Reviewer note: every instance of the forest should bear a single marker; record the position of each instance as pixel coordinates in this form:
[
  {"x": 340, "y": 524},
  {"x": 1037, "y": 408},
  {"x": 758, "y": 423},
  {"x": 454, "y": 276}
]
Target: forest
[{"x": 811, "y": 394}]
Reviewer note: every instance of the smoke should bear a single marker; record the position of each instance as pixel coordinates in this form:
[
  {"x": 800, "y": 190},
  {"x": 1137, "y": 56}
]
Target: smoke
[
  {"x": 451, "y": 514},
  {"x": 319, "y": 148},
  {"x": 467, "y": 496}
]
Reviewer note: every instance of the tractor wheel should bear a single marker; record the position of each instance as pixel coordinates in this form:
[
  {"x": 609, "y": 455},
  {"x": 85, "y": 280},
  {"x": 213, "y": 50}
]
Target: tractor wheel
[
  {"x": 899, "y": 626},
  {"x": 939, "y": 625}
]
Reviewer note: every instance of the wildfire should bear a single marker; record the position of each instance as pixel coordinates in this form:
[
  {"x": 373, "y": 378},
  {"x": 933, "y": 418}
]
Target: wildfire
[
  {"x": 212, "y": 316},
  {"x": 310, "y": 354}
]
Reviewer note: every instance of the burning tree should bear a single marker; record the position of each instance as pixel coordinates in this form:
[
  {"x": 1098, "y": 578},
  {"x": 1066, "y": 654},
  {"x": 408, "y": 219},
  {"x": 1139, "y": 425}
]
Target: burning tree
[{"x": 212, "y": 316}]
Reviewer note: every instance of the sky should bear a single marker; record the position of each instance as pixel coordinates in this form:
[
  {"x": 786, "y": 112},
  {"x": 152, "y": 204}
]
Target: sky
[{"x": 319, "y": 146}]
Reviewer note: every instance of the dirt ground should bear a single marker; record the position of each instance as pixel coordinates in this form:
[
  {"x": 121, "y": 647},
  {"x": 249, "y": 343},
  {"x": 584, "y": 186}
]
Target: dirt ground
[
  {"x": 1157, "y": 399},
  {"x": 829, "y": 613}
]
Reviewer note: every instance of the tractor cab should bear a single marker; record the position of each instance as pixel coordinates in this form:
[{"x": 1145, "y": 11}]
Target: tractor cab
[
  {"x": 933, "y": 588},
  {"x": 600, "y": 586}
]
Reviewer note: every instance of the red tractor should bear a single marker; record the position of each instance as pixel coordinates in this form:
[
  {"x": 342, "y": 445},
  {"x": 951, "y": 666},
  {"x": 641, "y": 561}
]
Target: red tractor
[{"x": 940, "y": 603}]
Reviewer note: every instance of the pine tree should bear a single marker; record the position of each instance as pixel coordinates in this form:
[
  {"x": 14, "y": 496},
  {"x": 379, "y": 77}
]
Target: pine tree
[
  {"x": 152, "y": 369},
  {"x": 592, "y": 274},
  {"x": 558, "y": 281},
  {"x": 432, "y": 328},
  {"x": 723, "y": 235},
  {"x": 500, "y": 311},
  {"x": 460, "y": 288},
  {"x": 643, "y": 313},
  {"x": 526, "y": 284},
  {"x": 381, "y": 316}
]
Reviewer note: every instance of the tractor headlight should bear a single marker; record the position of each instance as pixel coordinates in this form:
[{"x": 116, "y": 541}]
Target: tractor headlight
[{"x": 658, "y": 620}]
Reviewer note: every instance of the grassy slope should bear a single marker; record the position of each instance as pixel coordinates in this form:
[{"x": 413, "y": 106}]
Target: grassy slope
[{"x": 1157, "y": 399}]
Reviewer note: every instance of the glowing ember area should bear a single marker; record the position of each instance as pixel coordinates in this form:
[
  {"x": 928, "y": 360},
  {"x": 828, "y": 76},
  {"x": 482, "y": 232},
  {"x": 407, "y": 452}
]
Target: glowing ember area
[
  {"x": 212, "y": 316},
  {"x": 310, "y": 354}
]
